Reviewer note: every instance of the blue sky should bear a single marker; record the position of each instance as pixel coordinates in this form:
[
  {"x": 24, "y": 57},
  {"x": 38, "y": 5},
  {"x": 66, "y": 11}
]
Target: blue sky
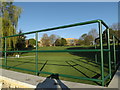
[{"x": 41, "y": 15}]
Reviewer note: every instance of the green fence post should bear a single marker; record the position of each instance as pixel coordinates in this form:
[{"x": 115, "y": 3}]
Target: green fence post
[
  {"x": 36, "y": 54},
  {"x": 117, "y": 61},
  {"x": 118, "y": 53},
  {"x": 114, "y": 51},
  {"x": 109, "y": 52},
  {"x": 101, "y": 46},
  {"x": 95, "y": 54},
  {"x": 5, "y": 62}
]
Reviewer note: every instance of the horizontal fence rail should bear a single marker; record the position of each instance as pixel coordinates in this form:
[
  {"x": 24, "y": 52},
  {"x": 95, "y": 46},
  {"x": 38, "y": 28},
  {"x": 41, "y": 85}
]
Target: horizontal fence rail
[
  {"x": 60, "y": 27},
  {"x": 85, "y": 50}
]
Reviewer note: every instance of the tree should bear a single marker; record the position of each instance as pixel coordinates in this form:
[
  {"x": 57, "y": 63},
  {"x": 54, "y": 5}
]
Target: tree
[
  {"x": 63, "y": 42},
  {"x": 9, "y": 16},
  {"x": 32, "y": 42},
  {"x": 93, "y": 33},
  {"x": 82, "y": 39},
  {"x": 80, "y": 42},
  {"x": 58, "y": 42},
  {"x": 88, "y": 40},
  {"x": 52, "y": 38},
  {"x": 119, "y": 34},
  {"x": 20, "y": 44},
  {"x": 45, "y": 40},
  {"x": 83, "y": 36},
  {"x": 116, "y": 28},
  {"x": 76, "y": 42}
]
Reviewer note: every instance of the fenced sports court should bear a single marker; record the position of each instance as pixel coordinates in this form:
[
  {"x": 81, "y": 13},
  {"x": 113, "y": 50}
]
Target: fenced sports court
[{"x": 94, "y": 64}]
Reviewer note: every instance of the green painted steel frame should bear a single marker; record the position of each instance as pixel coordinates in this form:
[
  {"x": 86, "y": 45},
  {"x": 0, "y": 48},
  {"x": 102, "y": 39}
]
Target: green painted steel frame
[
  {"x": 101, "y": 50},
  {"x": 5, "y": 61},
  {"x": 114, "y": 51},
  {"x": 60, "y": 27},
  {"x": 83, "y": 50},
  {"x": 101, "y": 46},
  {"x": 115, "y": 39},
  {"x": 36, "y": 53},
  {"x": 109, "y": 54}
]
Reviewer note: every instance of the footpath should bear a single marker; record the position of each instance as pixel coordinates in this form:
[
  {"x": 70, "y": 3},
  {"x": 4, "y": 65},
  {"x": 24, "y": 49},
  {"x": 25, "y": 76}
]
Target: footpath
[{"x": 115, "y": 83}]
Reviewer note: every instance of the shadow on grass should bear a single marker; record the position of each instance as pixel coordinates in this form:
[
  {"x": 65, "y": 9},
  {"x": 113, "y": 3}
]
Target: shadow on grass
[
  {"x": 29, "y": 61},
  {"x": 19, "y": 64},
  {"x": 90, "y": 56},
  {"x": 46, "y": 63},
  {"x": 84, "y": 67},
  {"x": 95, "y": 77},
  {"x": 77, "y": 69},
  {"x": 42, "y": 67},
  {"x": 91, "y": 64}
]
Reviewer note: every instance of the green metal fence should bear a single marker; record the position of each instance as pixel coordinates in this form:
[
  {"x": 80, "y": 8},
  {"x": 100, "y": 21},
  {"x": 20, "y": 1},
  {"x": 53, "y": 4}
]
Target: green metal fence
[{"x": 115, "y": 52}]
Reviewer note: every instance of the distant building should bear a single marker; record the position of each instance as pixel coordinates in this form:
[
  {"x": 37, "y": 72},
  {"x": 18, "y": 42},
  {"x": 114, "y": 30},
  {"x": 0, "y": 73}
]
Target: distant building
[{"x": 71, "y": 41}]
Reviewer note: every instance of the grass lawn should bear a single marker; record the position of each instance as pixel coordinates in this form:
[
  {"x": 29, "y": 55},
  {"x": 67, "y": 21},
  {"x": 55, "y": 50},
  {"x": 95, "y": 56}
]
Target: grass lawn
[{"x": 75, "y": 64}]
